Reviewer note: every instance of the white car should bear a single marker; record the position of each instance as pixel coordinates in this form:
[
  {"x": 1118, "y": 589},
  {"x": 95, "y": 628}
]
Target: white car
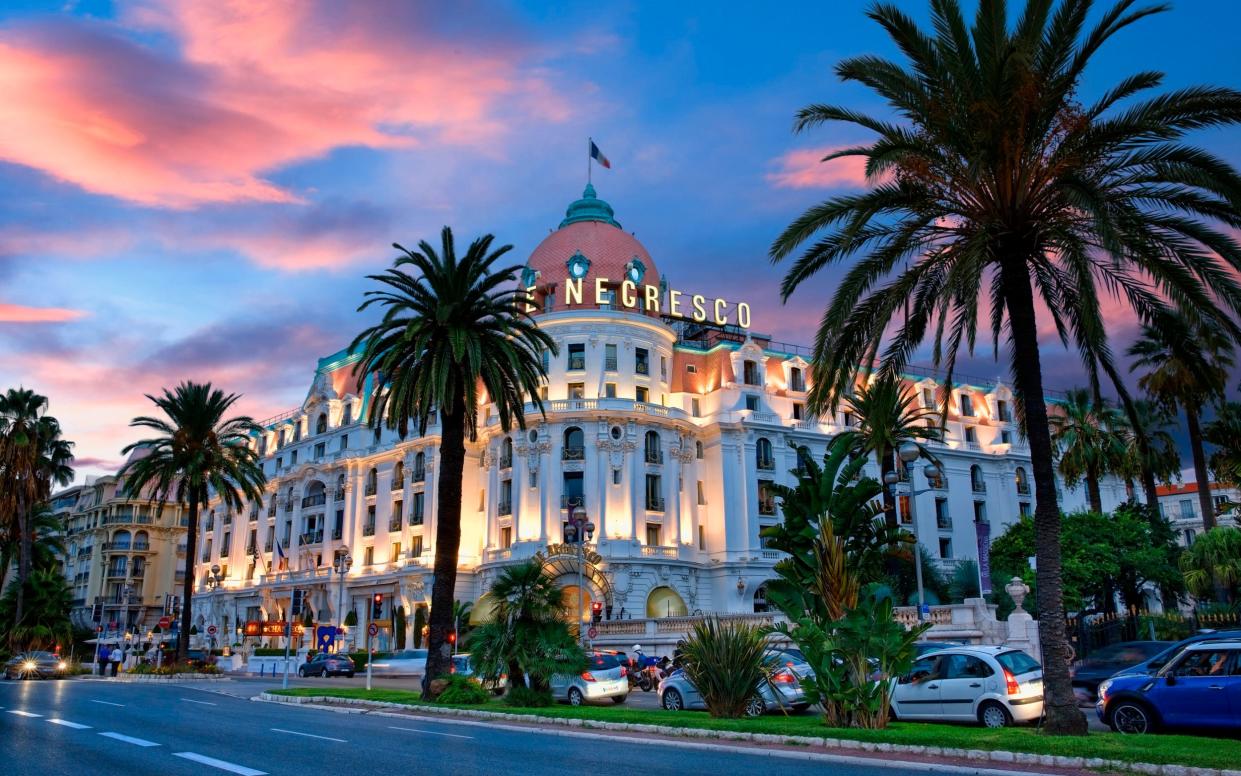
[
  {"x": 406, "y": 662},
  {"x": 605, "y": 678},
  {"x": 993, "y": 686}
]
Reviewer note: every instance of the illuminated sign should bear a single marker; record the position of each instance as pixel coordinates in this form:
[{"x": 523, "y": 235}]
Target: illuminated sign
[
  {"x": 270, "y": 628},
  {"x": 646, "y": 298}
]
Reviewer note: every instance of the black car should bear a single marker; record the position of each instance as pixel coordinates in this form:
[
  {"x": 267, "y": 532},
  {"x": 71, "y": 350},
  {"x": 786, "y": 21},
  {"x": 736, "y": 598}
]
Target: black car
[
  {"x": 327, "y": 664},
  {"x": 1106, "y": 662},
  {"x": 35, "y": 665},
  {"x": 1151, "y": 666}
]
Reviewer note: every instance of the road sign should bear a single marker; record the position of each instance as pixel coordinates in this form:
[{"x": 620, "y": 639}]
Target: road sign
[
  {"x": 372, "y": 630},
  {"x": 211, "y": 630},
  {"x": 591, "y": 633},
  {"x": 164, "y": 622}
]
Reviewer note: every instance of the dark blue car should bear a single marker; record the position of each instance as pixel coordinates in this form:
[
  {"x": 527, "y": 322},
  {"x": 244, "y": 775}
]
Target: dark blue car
[
  {"x": 1153, "y": 665},
  {"x": 1200, "y": 689}
]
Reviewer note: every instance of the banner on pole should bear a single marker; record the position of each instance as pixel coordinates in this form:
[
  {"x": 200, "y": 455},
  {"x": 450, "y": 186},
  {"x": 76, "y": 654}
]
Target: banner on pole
[{"x": 983, "y": 529}]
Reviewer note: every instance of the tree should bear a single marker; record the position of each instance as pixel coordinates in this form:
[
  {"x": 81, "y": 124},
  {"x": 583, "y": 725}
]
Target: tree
[
  {"x": 528, "y": 635},
  {"x": 46, "y": 545},
  {"x": 1213, "y": 563},
  {"x": 993, "y": 180},
  {"x": 44, "y": 622},
  {"x": 1225, "y": 433},
  {"x": 888, "y": 415},
  {"x": 1089, "y": 437},
  {"x": 33, "y": 459},
  {"x": 1150, "y": 456},
  {"x": 197, "y": 455},
  {"x": 455, "y": 327},
  {"x": 1187, "y": 367}
]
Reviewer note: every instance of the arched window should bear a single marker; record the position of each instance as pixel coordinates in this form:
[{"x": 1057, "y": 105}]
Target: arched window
[
  {"x": 574, "y": 444},
  {"x": 297, "y": 430},
  {"x": 654, "y": 449},
  {"x": 665, "y": 602},
  {"x": 976, "y": 480},
  {"x": 321, "y": 423},
  {"x": 398, "y": 475},
  {"x": 763, "y": 454},
  {"x": 347, "y": 418},
  {"x": 803, "y": 459},
  {"x": 760, "y": 599},
  {"x": 340, "y": 487},
  {"x": 698, "y": 449},
  {"x": 120, "y": 540},
  {"x": 372, "y": 482},
  {"x": 142, "y": 540},
  {"x": 420, "y": 466},
  {"x": 506, "y": 453},
  {"x": 1023, "y": 483}
]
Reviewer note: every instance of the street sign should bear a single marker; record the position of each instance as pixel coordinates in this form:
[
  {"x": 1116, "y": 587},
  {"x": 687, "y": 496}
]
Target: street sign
[
  {"x": 164, "y": 622},
  {"x": 591, "y": 633},
  {"x": 372, "y": 630},
  {"x": 212, "y": 630}
]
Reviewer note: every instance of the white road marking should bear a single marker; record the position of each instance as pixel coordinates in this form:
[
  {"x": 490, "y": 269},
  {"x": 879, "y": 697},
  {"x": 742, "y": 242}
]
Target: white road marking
[
  {"x": 21, "y": 713},
  {"x": 68, "y": 724},
  {"x": 204, "y": 703},
  {"x": 429, "y": 732},
  {"x": 309, "y": 735},
  {"x": 129, "y": 739},
  {"x": 107, "y": 703},
  {"x": 221, "y": 764}
]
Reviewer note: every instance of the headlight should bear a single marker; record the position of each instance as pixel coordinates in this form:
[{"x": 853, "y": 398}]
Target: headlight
[
  {"x": 61, "y": 666},
  {"x": 29, "y": 665},
  {"x": 1103, "y": 688}
]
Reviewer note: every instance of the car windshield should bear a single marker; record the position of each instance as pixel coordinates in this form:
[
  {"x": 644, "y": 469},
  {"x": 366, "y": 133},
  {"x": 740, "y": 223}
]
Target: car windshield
[
  {"x": 1018, "y": 662},
  {"x": 603, "y": 660}
]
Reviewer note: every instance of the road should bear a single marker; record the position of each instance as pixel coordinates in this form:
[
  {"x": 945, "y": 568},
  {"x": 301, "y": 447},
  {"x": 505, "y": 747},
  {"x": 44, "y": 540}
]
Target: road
[{"x": 97, "y": 727}]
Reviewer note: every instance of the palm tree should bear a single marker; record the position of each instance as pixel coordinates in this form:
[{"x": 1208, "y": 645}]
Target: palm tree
[
  {"x": 457, "y": 326},
  {"x": 1212, "y": 564},
  {"x": 1091, "y": 442},
  {"x": 45, "y": 622},
  {"x": 888, "y": 415},
  {"x": 197, "y": 456},
  {"x": 1151, "y": 456},
  {"x": 989, "y": 179},
  {"x": 1187, "y": 367},
  {"x": 46, "y": 544},
  {"x": 1225, "y": 433},
  {"x": 33, "y": 459}
]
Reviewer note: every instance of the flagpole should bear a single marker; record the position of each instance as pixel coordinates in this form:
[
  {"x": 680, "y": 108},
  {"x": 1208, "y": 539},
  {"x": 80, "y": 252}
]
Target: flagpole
[{"x": 590, "y": 142}]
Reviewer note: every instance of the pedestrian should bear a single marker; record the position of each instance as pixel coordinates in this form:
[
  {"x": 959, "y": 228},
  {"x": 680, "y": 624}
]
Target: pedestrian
[
  {"x": 116, "y": 656},
  {"x": 102, "y": 660}
]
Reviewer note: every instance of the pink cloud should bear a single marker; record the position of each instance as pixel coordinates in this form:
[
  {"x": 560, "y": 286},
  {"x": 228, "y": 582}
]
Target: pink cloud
[
  {"x": 804, "y": 168},
  {"x": 16, "y": 313},
  {"x": 254, "y": 87}
]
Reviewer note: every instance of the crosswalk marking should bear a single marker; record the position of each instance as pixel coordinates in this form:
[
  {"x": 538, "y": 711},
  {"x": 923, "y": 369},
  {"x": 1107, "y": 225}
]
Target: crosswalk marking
[
  {"x": 203, "y": 703},
  {"x": 429, "y": 732},
  {"x": 106, "y": 703},
  {"x": 309, "y": 735},
  {"x": 221, "y": 764},
  {"x": 21, "y": 713},
  {"x": 68, "y": 724},
  {"x": 129, "y": 739}
]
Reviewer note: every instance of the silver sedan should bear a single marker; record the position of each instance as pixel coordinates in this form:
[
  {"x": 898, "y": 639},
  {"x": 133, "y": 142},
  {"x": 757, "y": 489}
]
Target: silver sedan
[{"x": 783, "y": 691}]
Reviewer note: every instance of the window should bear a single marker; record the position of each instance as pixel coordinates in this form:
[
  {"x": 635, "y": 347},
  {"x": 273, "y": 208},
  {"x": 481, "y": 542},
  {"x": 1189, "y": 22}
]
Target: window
[
  {"x": 577, "y": 357},
  {"x": 394, "y": 551},
  {"x": 506, "y": 537},
  {"x": 764, "y": 458},
  {"x": 641, "y": 361},
  {"x": 903, "y": 509},
  {"x": 695, "y": 408},
  {"x": 967, "y": 406},
  {"x": 971, "y": 436},
  {"x": 654, "y": 493},
  {"x": 577, "y": 390},
  {"x": 506, "y": 497},
  {"x": 344, "y": 442},
  {"x": 976, "y": 481},
  {"x": 653, "y": 448},
  {"x": 702, "y": 537},
  {"x": 751, "y": 402},
  {"x": 293, "y": 462},
  {"x": 702, "y": 494},
  {"x": 573, "y": 488},
  {"x": 368, "y": 556},
  {"x": 799, "y": 411},
  {"x": 574, "y": 444},
  {"x": 1204, "y": 662},
  {"x": 663, "y": 367},
  {"x": 547, "y": 361},
  {"x": 1023, "y": 508},
  {"x": 321, "y": 424},
  {"x": 965, "y": 667},
  {"x": 1187, "y": 508},
  {"x": 506, "y": 453},
  {"x": 980, "y": 511},
  {"x": 398, "y": 475},
  {"x": 616, "y": 476},
  {"x": 338, "y": 525},
  {"x": 653, "y": 531},
  {"x": 945, "y": 547},
  {"x": 698, "y": 450},
  {"x": 372, "y": 482},
  {"x": 1002, "y": 413},
  {"x": 347, "y": 417},
  {"x": 416, "y": 516},
  {"x": 641, "y": 394},
  {"x": 691, "y": 369},
  {"x": 942, "y": 519},
  {"x": 1006, "y": 437},
  {"x": 749, "y": 372},
  {"x": 609, "y": 358},
  {"x": 766, "y": 498},
  {"x": 796, "y": 381},
  {"x": 369, "y": 528},
  {"x": 846, "y": 419},
  {"x": 1023, "y": 483},
  {"x": 928, "y": 398},
  {"x": 420, "y": 467},
  {"x": 609, "y": 390},
  {"x": 398, "y": 515},
  {"x": 415, "y": 546},
  {"x": 534, "y": 478}
]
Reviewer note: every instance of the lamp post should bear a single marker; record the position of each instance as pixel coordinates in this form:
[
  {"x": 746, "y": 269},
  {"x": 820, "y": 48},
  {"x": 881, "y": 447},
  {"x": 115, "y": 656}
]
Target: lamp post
[
  {"x": 909, "y": 453},
  {"x": 579, "y": 531},
  {"x": 126, "y": 591},
  {"x": 214, "y": 580},
  {"x": 341, "y": 565}
]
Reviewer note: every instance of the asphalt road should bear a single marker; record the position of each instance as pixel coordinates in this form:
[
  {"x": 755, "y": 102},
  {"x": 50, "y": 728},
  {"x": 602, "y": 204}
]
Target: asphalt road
[{"x": 99, "y": 727}]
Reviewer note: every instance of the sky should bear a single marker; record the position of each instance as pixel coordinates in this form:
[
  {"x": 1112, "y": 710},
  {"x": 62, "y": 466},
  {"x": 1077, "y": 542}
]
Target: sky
[{"x": 196, "y": 189}]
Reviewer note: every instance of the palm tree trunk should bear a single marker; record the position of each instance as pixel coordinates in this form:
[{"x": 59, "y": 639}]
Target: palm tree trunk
[
  {"x": 1148, "y": 485},
  {"x": 1063, "y": 715},
  {"x": 187, "y": 585},
  {"x": 23, "y": 555},
  {"x": 887, "y": 464},
  {"x": 447, "y": 545},
  {"x": 1092, "y": 494},
  {"x": 1200, "y": 468}
]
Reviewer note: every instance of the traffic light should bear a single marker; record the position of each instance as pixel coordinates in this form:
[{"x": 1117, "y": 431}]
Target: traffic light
[
  {"x": 596, "y": 611},
  {"x": 452, "y": 637},
  {"x": 298, "y": 597},
  {"x": 377, "y": 606}
]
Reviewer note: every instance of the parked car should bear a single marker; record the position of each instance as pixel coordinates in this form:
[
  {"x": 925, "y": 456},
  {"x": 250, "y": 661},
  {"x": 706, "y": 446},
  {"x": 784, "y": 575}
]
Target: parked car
[
  {"x": 1154, "y": 664},
  {"x": 605, "y": 677},
  {"x": 926, "y": 647},
  {"x": 35, "y": 665},
  {"x": 993, "y": 686},
  {"x": 462, "y": 666},
  {"x": 782, "y": 692},
  {"x": 327, "y": 664},
  {"x": 1197, "y": 689},
  {"x": 405, "y": 662},
  {"x": 1108, "y": 661}
]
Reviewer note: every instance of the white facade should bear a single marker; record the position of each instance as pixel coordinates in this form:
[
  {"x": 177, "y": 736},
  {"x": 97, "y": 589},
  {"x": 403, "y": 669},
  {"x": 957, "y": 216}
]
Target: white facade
[{"x": 665, "y": 432}]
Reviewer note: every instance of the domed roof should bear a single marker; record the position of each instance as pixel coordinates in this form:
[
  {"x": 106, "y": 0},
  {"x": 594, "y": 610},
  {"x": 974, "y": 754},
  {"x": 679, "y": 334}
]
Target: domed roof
[{"x": 589, "y": 232}]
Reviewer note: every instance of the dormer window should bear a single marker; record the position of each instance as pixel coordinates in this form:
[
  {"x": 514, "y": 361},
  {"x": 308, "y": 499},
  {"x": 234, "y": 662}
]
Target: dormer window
[
  {"x": 635, "y": 270},
  {"x": 578, "y": 266},
  {"x": 796, "y": 381}
]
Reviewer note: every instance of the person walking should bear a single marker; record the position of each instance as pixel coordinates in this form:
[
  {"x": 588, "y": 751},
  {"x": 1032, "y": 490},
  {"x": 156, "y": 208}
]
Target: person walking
[
  {"x": 101, "y": 662},
  {"x": 116, "y": 656}
]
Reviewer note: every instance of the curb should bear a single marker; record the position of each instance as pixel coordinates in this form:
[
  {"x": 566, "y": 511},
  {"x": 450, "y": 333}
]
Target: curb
[{"x": 975, "y": 755}]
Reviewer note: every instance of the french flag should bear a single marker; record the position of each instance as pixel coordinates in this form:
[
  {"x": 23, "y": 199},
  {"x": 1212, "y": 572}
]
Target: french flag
[{"x": 598, "y": 156}]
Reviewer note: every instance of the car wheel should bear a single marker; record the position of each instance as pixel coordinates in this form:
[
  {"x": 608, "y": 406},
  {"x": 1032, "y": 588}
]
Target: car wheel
[
  {"x": 1131, "y": 717},
  {"x": 755, "y": 707},
  {"x": 994, "y": 715},
  {"x": 301, "y": 672},
  {"x": 673, "y": 700},
  {"x": 619, "y": 699},
  {"x": 575, "y": 697}
]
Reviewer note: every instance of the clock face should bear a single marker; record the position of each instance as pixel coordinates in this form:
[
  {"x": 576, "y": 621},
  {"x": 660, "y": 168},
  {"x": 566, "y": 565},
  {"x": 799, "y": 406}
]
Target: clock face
[
  {"x": 636, "y": 269},
  {"x": 579, "y": 265}
]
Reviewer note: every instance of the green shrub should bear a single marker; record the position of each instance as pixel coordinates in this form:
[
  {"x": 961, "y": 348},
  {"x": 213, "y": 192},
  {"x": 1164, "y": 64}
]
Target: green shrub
[
  {"x": 527, "y": 697},
  {"x": 463, "y": 689},
  {"x": 724, "y": 660}
]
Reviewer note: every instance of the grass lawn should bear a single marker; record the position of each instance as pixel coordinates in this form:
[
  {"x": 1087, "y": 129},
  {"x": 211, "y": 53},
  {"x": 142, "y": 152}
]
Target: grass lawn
[{"x": 1193, "y": 751}]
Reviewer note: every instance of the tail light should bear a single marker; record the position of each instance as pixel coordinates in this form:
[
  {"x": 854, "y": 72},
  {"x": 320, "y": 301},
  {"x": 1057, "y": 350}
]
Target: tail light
[
  {"x": 503, "y": 677},
  {"x": 624, "y": 672},
  {"x": 784, "y": 677},
  {"x": 1010, "y": 682},
  {"x": 452, "y": 669},
  {"x": 588, "y": 676}
]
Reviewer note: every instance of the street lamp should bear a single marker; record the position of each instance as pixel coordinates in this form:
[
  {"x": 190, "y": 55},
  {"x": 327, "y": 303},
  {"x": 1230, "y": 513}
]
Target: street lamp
[
  {"x": 214, "y": 580},
  {"x": 908, "y": 453},
  {"x": 579, "y": 531},
  {"x": 341, "y": 564}
]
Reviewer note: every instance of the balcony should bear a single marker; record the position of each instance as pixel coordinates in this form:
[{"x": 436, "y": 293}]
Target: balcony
[
  {"x": 120, "y": 573},
  {"x": 654, "y": 503},
  {"x": 368, "y": 530},
  {"x": 210, "y": 526},
  {"x": 642, "y": 368},
  {"x": 655, "y": 455},
  {"x": 506, "y": 508},
  {"x": 250, "y": 548},
  {"x": 316, "y": 500},
  {"x": 767, "y": 507},
  {"x": 271, "y": 510},
  {"x": 572, "y": 502},
  {"x": 979, "y": 487},
  {"x": 336, "y": 532},
  {"x": 415, "y": 519},
  {"x": 943, "y": 522},
  {"x": 85, "y": 552},
  {"x": 141, "y": 547},
  {"x": 371, "y": 488},
  {"x": 767, "y": 464},
  {"x": 267, "y": 546},
  {"x": 609, "y": 363},
  {"x": 138, "y": 573},
  {"x": 653, "y": 551},
  {"x": 506, "y": 462},
  {"x": 287, "y": 504},
  {"x": 573, "y": 454},
  {"x": 116, "y": 546},
  {"x": 394, "y": 524},
  {"x": 311, "y": 537},
  {"x": 1023, "y": 488},
  {"x": 228, "y": 519}
]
